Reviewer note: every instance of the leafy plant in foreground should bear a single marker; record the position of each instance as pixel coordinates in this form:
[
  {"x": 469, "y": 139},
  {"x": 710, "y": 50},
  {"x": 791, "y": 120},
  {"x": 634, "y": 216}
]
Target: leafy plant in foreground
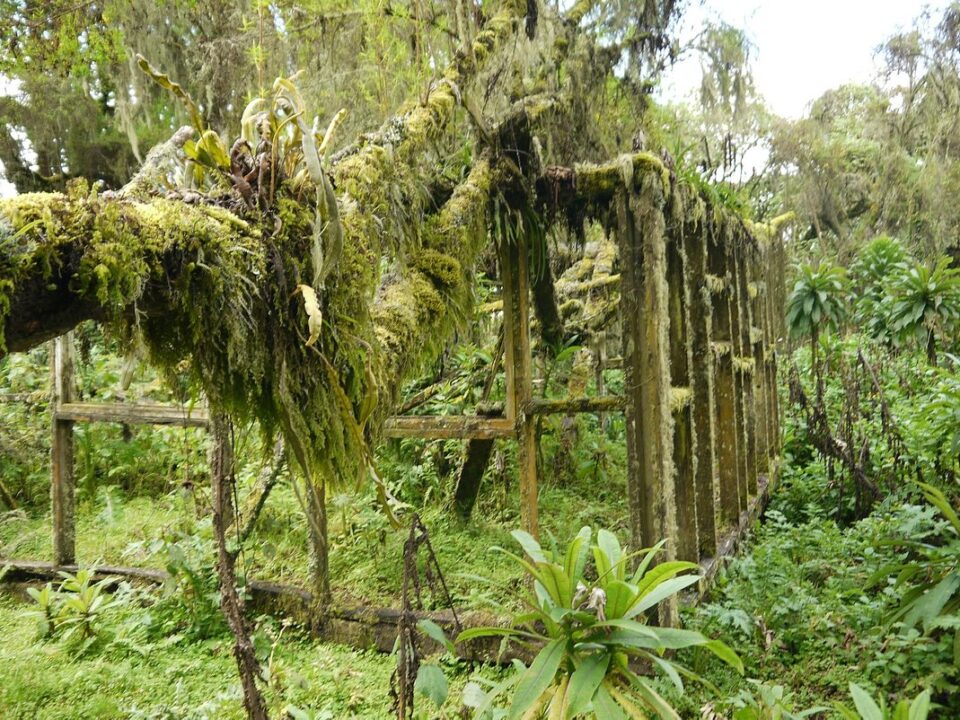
[
  {"x": 932, "y": 576},
  {"x": 75, "y": 610},
  {"x": 868, "y": 709},
  {"x": 592, "y": 630}
]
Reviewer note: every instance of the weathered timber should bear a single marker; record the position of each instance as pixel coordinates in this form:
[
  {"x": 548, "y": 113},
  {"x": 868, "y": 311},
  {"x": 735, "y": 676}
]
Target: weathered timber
[
  {"x": 725, "y": 403},
  {"x": 651, "y": 494},
  {"x": 702, "y": 382},
  {"x": 570, "y": 406},
  {"x": 475, "y": 460},
  {"x": 748, "y": 400},
  {"x": 514, "y": 265},
  {"x": 133, "y": 414},
  {"x": 362, "y": 627},
  {"x": 63, "y": 481},
  {"x": 684, "y": 432},
  {"x": 448, "y": 427}
]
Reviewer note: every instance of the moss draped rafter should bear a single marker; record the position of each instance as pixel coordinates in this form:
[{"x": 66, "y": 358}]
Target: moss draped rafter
[{"x": 204, "y": 285}]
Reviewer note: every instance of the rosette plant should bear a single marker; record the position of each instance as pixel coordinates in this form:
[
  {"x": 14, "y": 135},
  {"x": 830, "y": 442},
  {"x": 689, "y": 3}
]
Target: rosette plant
[{"x": 588, "y": 622}]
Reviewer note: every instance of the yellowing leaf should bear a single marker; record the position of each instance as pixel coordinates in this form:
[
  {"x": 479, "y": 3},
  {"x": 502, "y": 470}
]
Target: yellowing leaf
[{"x": 314, "y": 316}]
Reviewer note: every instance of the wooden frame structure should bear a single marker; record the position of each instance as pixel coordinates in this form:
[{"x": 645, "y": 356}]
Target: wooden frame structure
[{"x": 700, "y": 316}]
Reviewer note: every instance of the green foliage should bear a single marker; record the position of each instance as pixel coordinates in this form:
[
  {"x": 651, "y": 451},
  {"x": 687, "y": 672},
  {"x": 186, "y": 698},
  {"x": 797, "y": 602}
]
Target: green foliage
[
  {"x": 872, "y": 273},
  {"x": 75, "y": 611},
  {"x": 928, "y": 580},
  {"x": 817, "y": 300},
  {"x": 927, "y": 303},
  {"x": 591, "y": 628},
  {"x": 868, "y": 709}
]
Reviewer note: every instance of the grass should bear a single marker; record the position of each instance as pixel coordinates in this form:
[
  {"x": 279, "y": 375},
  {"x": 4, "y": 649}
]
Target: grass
[{"x": 44, "y": 680}]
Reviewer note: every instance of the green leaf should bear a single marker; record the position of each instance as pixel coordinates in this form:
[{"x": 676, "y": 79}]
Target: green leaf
[
  {"x": 432, "y": 683},
  {"x": 920, "y": 707},
  {"x": 669, "y": 670},
  {"x": 653, "y": 699},
  {"x": 661, "y": 573},
  {"x": 645, "y": 562},
  {"x": 933, "y": 601},
  {"x": 725, "y": 653},
  {"x": 434, "y": 631},
  {"x": 529, "y": 544},
  {"x": 868, "y": 709},
  {"x": 164, "y": 81},
  {"x": 936, "y": 497},
  {"x": 605, "y": 707},
  {"x": 577, "y": 554},
  {"x": 662, "y": 591},
  {"x": 538, "y": 677},
  {"x": 620, "y": 596},
  {"x": 584, "y": 683},
  {"x": 610, "y": 546}
]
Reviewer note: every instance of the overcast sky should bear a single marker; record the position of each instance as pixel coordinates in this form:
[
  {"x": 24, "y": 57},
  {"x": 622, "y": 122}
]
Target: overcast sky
[{"x": 802, "y": 48}]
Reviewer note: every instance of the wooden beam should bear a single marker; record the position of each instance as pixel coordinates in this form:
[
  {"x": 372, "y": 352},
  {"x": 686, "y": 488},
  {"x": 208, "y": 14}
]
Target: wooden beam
[
  {"x": 138, "y": 414},
  {"x": 572, "y": 406},
  {"x": 448, "y": 427},
  {"x": 63, "y": 482}
]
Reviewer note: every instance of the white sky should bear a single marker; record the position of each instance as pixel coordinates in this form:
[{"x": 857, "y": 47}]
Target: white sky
[{"x": 801, "y": 48}]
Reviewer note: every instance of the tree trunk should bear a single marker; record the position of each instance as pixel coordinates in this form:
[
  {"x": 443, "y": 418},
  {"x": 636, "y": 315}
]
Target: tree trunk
[{"x": 931, "y": 347}]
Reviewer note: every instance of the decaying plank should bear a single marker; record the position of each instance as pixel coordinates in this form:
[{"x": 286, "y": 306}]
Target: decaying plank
[{"x": 448, "y": 427}]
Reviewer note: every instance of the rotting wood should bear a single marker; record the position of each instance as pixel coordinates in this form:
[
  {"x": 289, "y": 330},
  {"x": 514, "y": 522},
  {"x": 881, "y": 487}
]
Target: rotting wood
[
  {"x": 63, "y": 481},
  {"x": 475, "y": 461},
  {"x": 514, "y": 266},
  {"x": 651, "y": 494},
  {"x": 132, "y": 414},
  {"x": 266, "y": 481},
  {"x": 702, "y": 382},
  {"x": 725, "y": 404},
  {"x": 448, "y": 427},
  {"x": 684, "y": 433},
  {"x": 569, "y": 406},
  {"x": 743, "y": 260},
  {"x": 740, "y": 380}
]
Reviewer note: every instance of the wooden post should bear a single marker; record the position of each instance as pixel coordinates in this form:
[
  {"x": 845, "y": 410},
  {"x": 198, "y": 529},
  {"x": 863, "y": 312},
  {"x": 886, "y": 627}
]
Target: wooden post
[
  {"x": 684, "y": 435},
  {"x": 727, "y": 440},
  {"x": 748, "y": 476},
  {"x": 645, "y": 325},
  {"x": 62, "y": 486},
  {"x": 758, "y": 340},
  {"x": 701, "y": 384},
  {"x": 514, "y": 268}
]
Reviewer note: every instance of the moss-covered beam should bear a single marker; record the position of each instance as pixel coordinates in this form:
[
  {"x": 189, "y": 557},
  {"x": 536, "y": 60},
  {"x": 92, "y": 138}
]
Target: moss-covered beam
[{"x": 69, "y": 257}]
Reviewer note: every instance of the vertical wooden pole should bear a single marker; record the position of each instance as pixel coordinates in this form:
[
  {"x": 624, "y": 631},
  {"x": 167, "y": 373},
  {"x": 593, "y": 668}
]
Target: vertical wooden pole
[
  {"x": 644, "y": 307},
  {"x": 758, "y": 339},
  {"x": 748, "y": 478},
  {"x": 62, "y": 486},
  {"x": 514, "y": 267},
  {"x": 727, "y": 424},
  {"x": 684, "y": 436},
  {"x": 701, "y": 383}
]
